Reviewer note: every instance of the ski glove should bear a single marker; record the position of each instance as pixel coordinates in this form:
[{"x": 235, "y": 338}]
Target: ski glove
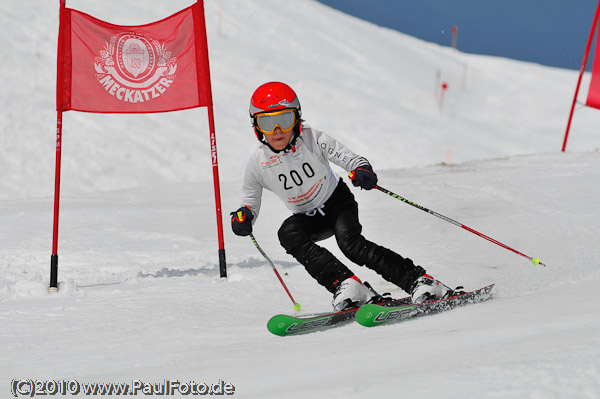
[
  {"x": 241, "y": 222},
  {"x": 364, "y": 177}
]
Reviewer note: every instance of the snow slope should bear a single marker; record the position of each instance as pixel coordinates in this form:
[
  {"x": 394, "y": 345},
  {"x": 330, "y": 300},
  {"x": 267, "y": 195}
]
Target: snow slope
[{"x": 140, "y": 296}]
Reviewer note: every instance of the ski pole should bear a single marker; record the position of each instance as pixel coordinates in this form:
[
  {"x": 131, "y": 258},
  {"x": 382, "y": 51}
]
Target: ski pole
[
  {"x": 297, "y": 306},
  {"x": 535, "y": 261}
]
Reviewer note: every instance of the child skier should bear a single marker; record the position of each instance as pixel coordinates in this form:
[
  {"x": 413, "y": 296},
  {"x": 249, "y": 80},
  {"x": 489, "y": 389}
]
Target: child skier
[{"x": 292, "y": 161}]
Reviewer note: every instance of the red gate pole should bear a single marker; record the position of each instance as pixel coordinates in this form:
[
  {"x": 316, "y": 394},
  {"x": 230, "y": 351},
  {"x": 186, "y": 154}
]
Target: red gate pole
[
  {"x": 454, "y": 36},
  {"x": 59, "y": 116},
  {"x": 217, "y": 190},
  {"x": 581, "y": 70},
  {"x": 54, "y": 256},
  {"x": 213, "y": 149}
]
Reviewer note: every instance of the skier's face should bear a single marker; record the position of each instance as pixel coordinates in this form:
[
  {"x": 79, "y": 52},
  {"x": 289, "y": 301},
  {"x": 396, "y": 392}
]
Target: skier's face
[{"x": 279, "y": 139}]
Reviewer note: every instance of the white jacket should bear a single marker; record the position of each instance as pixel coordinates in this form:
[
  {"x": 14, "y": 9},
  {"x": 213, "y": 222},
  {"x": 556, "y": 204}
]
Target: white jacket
[{"x": 301, "y": 177}]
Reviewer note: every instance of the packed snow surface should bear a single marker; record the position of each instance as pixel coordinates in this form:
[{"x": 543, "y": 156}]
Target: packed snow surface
[{"x": 140, "y": 295}]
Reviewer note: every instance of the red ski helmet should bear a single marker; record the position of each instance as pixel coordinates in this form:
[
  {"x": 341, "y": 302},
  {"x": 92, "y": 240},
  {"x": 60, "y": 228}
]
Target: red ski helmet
[{"x": 274, "y": 96}]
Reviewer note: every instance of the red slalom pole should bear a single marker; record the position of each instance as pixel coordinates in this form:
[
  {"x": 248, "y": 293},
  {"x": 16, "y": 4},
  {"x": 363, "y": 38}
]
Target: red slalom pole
[
  {"x": 581, "y": 70},
  {"x": 217, "y": 190},
  {"x": 296, "y": 304},
  {"x": 454, "y": 36},
  {"x": 53, "y": 286},
  {"x": 54, "y": 257}
]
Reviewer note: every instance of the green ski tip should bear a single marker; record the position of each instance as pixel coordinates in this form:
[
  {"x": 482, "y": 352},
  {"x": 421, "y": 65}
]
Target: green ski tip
[
  {"x": 366, "y": 314},
  {"x": 372, "y": 315},
  {"x": 279, "y": 324},
  {"x": 287, "y": 325}
]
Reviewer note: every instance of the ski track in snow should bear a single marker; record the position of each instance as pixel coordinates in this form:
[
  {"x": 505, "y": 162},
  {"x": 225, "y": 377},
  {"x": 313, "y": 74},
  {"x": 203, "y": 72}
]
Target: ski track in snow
[{"x": 140, "y": 296}]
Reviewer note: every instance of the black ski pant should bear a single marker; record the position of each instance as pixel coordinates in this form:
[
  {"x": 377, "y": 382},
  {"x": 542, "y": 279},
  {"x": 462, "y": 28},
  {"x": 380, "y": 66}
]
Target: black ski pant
[{"x": 299, "y": 232}]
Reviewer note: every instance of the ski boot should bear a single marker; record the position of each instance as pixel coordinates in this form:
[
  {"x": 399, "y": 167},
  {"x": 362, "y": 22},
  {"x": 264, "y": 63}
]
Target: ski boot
[
  {"x": 350, "y": 293},
  {"x": 426, "y": 289}
]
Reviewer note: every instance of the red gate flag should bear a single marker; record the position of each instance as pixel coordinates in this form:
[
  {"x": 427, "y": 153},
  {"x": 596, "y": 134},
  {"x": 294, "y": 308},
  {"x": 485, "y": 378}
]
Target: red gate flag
[
  {"x": 157, "y": 67},
  {"x": 593, "y": 98}
]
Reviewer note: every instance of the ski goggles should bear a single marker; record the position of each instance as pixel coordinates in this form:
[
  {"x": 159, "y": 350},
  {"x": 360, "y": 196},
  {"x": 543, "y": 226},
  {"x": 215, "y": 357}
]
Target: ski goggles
[{"x": 284, "y": 119}]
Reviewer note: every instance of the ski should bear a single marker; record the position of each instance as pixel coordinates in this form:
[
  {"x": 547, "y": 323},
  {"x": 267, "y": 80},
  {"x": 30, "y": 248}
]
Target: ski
[
  {"x": 370, "y": 315},
  {"x": 283, "y": 325}
]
